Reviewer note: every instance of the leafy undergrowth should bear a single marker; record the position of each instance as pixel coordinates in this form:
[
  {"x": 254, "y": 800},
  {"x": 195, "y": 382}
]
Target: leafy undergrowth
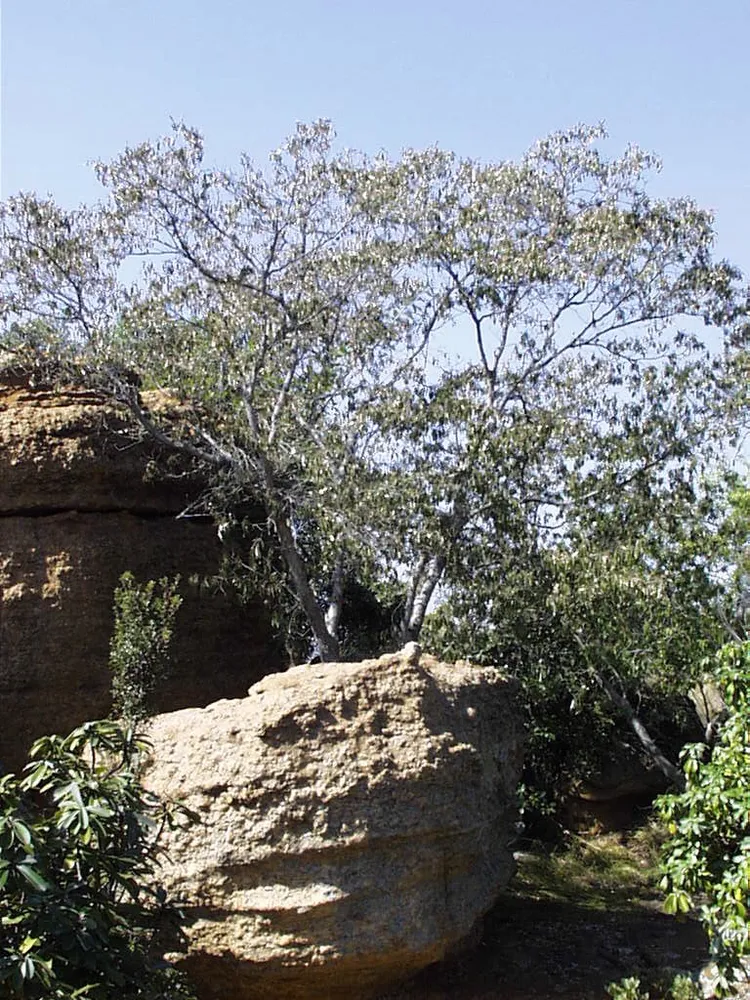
[{"x": 574, "y": 920}]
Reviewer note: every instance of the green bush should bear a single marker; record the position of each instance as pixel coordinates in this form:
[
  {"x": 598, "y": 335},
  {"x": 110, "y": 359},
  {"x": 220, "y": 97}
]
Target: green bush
[
  {"x": 678, "y": 987},
  {"x": 79, "y": 910},
  {"x": 707, "y": 864},
  {"x": 139, "y": 652}
]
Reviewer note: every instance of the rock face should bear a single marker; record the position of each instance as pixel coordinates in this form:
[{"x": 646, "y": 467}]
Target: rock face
[
  {"x": 614, "y": 799},
  {"x": 354, "y": 824},
  {"x": 80, "y": 503}
]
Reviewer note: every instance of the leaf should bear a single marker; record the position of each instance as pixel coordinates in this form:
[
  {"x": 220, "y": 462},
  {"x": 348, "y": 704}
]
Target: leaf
[
  {"x": 21, "y": 831},
  {"x": 33, "y": 877},
  {"x": 28, "y": 943}
]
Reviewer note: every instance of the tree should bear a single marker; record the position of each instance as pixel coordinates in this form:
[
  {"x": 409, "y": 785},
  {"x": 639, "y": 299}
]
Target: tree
[
  {"x": 295, "y": 314},
  {"x": 606, "y": 630}
]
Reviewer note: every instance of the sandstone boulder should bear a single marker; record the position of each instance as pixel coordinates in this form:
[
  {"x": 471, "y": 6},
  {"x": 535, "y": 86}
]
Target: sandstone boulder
[
  {"x": 82, "y": 499},
  {"x": 355, "y": 822}
]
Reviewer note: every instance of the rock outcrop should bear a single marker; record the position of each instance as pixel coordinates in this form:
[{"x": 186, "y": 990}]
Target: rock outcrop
[
  {"x": 82, "y": 499},
  {"x": 355, "y": 823},
  {"x": 613, "y": 797}
]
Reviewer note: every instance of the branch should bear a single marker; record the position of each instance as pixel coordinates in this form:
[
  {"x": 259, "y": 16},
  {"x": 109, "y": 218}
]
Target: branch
[
  {"x": 218, "y": 456},
  {"x": 667, "y": 768},
  {"x": 281, "y": 399}
]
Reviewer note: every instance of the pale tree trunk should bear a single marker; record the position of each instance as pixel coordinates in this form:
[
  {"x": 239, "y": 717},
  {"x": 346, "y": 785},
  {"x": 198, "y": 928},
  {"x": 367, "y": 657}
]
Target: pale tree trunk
[
  {"x": 327, "y": 644},
  {"x": 667, "y": 768},
  {"x": 411, "y": 594},
  {"x": 426, "y": 578},
  {"x": 429, "y": 572},
  {"x": 333, "y": 614}
]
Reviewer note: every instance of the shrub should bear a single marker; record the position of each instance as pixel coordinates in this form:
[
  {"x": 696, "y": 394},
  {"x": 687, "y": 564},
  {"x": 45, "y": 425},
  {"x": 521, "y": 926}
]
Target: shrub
[
  {"x": 678, "y": 987},
  {"x": 139, "y": 652},
  {"x": 707, "y": 864},
  {"x": 78, "y": 849}
]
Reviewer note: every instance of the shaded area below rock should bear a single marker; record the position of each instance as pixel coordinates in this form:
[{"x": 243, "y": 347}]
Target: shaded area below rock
[{"x": 538, "y": 950}]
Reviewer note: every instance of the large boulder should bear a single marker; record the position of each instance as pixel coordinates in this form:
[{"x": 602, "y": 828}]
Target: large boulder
[
  {"x": 83, "y": 498},
  {"x": 355, "y": 823}
]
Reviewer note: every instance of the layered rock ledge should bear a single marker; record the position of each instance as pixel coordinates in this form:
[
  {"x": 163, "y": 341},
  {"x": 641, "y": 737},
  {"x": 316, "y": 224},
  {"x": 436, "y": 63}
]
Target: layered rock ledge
[{"x": 84, "y": 497}]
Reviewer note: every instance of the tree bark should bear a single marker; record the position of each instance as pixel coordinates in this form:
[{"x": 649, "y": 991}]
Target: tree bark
[
  {"x": 667, "y": 768},
  {"x": 328, "y": 646},
  {"x": 333, "y": 614},
  {"x": 422, "y": 588}
]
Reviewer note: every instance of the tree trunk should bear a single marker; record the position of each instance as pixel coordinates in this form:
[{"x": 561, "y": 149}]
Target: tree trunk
[
  {"x": 326, "y": 641},
  {"x": 427, "y": 577},
  {"x": 328, "y": 646},
  {"x": 333, "y": 614},
  {"x": 667, "y": 768}
]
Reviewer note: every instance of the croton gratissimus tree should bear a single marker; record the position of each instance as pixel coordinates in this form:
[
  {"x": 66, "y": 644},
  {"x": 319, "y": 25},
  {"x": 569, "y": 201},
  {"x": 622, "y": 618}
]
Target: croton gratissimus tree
[{"x": 414, "y": 363}]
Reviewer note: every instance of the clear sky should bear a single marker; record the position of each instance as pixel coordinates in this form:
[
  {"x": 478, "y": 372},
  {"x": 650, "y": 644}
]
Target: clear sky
[{"x": 83, "y": 78}]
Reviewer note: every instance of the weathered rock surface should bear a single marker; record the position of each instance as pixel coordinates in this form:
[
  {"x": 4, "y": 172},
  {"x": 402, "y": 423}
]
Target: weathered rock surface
[
  {"x": 81, "y": 501},
  {"x": 354, "y": 824},
  {"x": 66, "y": 449}
]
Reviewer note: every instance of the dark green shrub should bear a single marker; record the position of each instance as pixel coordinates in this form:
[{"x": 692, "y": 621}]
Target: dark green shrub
[
  {"x": 78, "y": 848},
  {"x": 707, "y": 863},
  {"x": 139, "y": 652},
  {"x": 667, "y": 987}
]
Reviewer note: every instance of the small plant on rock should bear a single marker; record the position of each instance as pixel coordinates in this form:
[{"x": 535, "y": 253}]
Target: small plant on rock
[{"x": 139, "y": 651}]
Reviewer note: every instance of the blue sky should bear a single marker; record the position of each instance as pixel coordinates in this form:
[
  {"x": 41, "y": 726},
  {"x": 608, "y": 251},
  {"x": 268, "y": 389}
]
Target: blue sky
[{"x": 83, "y": 78}]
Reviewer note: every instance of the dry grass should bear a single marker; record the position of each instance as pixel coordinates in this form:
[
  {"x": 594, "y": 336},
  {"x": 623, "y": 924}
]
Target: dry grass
[{"x": 607, "y": 871}]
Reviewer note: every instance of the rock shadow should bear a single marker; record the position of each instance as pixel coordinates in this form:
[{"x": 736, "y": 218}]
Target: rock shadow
[{"x": 540, "y": 950}]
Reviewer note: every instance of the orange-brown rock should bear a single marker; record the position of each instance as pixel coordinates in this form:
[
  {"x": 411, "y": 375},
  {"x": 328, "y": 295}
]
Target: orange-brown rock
[
  {"x": 66, "y": 449},
  {"x": 355, "y": 824},
  {"x": 81, "y": 501}
]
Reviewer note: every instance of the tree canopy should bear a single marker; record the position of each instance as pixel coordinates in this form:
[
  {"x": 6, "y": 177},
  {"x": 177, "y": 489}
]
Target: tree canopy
[{"x": 439, "y": 376}]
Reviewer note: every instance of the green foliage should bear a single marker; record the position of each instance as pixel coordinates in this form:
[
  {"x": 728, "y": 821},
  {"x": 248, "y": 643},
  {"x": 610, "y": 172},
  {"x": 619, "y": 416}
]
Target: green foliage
[
  {"x": 735, "y": 537},
  {"x": 294, "y": 312},
  {"x": 707, "y": 862},
  {"x": 678, "y": 987},
  {"x": 139, "y": 651},
  {"x": 78, "y": 848},
  {"x": 627, "y": 989},
  {"x": 582, "y": 622}
]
